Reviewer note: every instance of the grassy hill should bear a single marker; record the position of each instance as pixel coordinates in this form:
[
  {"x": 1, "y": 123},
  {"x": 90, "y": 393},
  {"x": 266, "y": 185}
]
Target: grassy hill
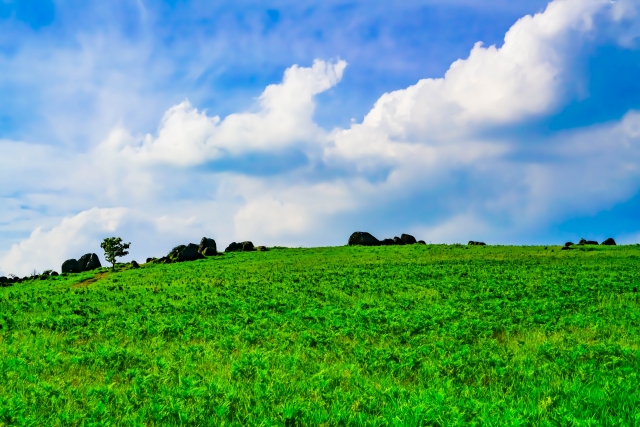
[{"x": 386, "y": 336}]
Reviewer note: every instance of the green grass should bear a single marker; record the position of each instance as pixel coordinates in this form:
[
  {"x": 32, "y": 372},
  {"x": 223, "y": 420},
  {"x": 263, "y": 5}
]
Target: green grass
[{"x": 389, "y": 336}]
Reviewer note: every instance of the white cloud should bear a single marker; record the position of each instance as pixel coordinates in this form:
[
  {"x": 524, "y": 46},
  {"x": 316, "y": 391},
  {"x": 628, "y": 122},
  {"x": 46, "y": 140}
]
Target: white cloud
[
  {"x": 188, "y": 137},
  {"x": 530, "y": 75}
]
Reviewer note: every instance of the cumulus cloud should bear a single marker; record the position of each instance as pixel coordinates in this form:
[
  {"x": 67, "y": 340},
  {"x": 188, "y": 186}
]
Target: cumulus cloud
[
  {"x": 464, "y": 155},
  {"x": 533, "y": 74},
  {"x": 188, "y": 137},
  {"x": 464, "y": 132}
]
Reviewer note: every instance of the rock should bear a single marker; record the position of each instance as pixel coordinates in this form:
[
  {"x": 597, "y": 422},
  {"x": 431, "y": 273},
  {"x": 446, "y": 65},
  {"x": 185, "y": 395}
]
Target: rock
[
  {"x": 88, "y": 262},
  {"x": 242, "y": 246},
  {"x": 582, "y": 242},
  {"x": 3, "y": 279},
  {"x": 362, "y": 238},
  {"x": 398, "y": 241},
  {"x": 82, "y": 261},
  {"x": 591, "y": 242},
  {"x": 408, "y": 239},
  {"x": 175, "y": 253},
  {"x": 135, "y": 264},
  {"x": 473, "y": 243},
  {"x": 609, "y": 242},
  {"x": 386, "y": 242},
  {"x": 54, "y": 273},
  {"x": 566, "y": 245},
  {"x": 189, "y": 253},
  {"x": 422, "y": 242},
  {"x": 234, "y": 247},
  {"x": 70, "y": 266},
  {"x": 209, "y": 252},
  {"x": 262, "y": 249},
  {"x": 207, "y": 243}
]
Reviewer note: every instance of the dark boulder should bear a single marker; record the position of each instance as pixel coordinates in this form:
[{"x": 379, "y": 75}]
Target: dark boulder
[
  {"x": 566, "y": 245},
  {"x": 209, "y": 252},
  {"x": 362, "y": 238},
  {"x": 408, "y": 239},
  {"x": 3, "y": 279},
  {"x": 591, "y": 242},
  {"x": 54, "y": 273},
  {"x": 71, "y": 266},
  {"x": 422, "y": 242},
  {"x": 175, "y": 253},
  {"x": 609, "y": 242},
  {"x": 234, "y": 247},
  {"x": 207, "y": 243},
  {"x": 398, "y": 241},
  {"x": 89, "y": 262},
  {"x": 582, "y": 242},
  {"x": 473, "y": 243},
  {"x": 386, "y": 242},
  {"x": 82, "y": 261},
  {"x": 135, "y": 264},
  {"x": 189, "y": 253},
  {"x": 242, "y": 246}
]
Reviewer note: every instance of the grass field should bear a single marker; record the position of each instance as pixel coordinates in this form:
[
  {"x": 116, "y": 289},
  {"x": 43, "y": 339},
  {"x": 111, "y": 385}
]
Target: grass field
[{"x": 388, "y": 336}]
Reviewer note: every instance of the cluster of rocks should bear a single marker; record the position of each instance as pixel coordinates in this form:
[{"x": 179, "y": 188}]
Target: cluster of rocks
[
  {"x": 207, "y": 248},
  {"x": 87, "y": 262},
  {"x": 362, "y": 238},
  {"x": 189, "y": 252},
  {"x": 473, "y": 243},
  {"x": 240, "y": 247},
  {"x": 9, "y": 281},
  {"x": 180, "y": 253},
  {"x": 568, "y": 246}
]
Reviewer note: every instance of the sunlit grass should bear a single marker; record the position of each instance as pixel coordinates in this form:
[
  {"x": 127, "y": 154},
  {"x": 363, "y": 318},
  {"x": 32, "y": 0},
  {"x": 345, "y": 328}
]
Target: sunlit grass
[{"x": 415, "y": 335}]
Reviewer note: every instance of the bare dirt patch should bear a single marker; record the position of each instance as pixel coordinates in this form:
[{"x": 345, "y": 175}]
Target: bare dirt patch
[{"x": 86, "y": 282}]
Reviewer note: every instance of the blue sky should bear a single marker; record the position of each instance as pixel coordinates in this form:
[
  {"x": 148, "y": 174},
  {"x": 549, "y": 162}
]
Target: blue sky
[{"x": 296, "y": 123}]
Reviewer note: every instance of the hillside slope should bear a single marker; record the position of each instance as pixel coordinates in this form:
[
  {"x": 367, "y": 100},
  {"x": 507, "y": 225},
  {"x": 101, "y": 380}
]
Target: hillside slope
[{"x": 398, "y": 335}]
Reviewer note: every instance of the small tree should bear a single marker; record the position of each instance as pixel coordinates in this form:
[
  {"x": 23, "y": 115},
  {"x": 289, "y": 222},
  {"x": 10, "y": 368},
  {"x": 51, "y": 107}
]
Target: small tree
[{"x": 114, "y": 248}]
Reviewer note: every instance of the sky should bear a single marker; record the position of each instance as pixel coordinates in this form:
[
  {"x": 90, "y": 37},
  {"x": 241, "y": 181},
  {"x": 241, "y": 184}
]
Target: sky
[{"x": 297, "y": 123}]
